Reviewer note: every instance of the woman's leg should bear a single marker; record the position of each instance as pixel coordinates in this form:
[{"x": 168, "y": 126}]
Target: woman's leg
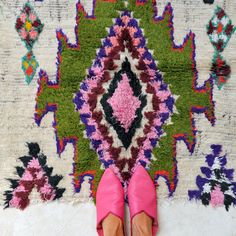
[
  {"x": 142, "y": 225},
  {"x": 112, "y": 226}
]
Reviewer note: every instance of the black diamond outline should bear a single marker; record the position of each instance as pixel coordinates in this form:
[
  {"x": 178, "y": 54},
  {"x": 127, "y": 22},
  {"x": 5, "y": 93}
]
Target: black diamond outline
[{"x": 125, "y": 138}]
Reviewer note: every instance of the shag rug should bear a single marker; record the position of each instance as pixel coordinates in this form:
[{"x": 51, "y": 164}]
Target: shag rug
[{"x": 89, "y": 85}]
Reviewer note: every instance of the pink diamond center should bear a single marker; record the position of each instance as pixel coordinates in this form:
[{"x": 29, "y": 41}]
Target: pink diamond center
[{"x": 124, "y": 104}]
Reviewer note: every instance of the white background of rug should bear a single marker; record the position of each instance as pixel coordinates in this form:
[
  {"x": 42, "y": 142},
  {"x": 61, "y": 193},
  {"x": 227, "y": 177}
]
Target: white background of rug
[{"x": 17, "y": 126}]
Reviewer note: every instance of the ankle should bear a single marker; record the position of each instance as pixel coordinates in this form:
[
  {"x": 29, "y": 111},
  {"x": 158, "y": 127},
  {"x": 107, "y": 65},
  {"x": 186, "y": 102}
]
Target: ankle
[
  {"x": 112, "y": 226},
  {"x": 142, "y": 225}
]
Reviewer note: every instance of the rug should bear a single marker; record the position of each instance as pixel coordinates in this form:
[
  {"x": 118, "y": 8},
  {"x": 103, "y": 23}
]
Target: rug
[{"x": 90, "y": 85}]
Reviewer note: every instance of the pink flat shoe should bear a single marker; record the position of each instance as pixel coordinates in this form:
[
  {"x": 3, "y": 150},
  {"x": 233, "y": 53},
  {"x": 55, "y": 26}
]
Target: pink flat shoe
[
  {"x": 109, "y": 199},
  {"x": 142, "y": 197}
]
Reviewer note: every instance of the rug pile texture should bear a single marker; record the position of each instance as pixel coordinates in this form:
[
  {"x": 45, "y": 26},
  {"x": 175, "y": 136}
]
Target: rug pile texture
[{"x": 89, "y": 85}]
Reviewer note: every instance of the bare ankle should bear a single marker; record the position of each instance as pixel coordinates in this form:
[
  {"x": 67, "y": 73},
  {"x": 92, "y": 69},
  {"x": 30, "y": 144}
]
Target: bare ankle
[
  {"x": 112, "y": 226},
  {"x": 142, "y": 225}
]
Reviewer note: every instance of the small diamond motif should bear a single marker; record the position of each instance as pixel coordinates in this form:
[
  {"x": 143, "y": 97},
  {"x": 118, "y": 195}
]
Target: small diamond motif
[
  {"x": 220, "y": 71},
  {"x": 29, "y": 66},
  {"x": 28, "y": 26},
  {"x": 220, "y": 29}
]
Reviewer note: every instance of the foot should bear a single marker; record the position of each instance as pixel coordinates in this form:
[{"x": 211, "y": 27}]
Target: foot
[
  {"x": 142, "y": 225},
  {"x": 112, "y": 226}
]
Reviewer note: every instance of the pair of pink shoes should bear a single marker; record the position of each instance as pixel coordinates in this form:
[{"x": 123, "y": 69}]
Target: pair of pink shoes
[{"x": 141, "y": 194}]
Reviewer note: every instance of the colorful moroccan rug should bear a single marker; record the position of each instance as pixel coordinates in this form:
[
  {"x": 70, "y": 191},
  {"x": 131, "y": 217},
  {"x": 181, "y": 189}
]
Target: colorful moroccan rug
[{"x": 89, "y": 85}]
